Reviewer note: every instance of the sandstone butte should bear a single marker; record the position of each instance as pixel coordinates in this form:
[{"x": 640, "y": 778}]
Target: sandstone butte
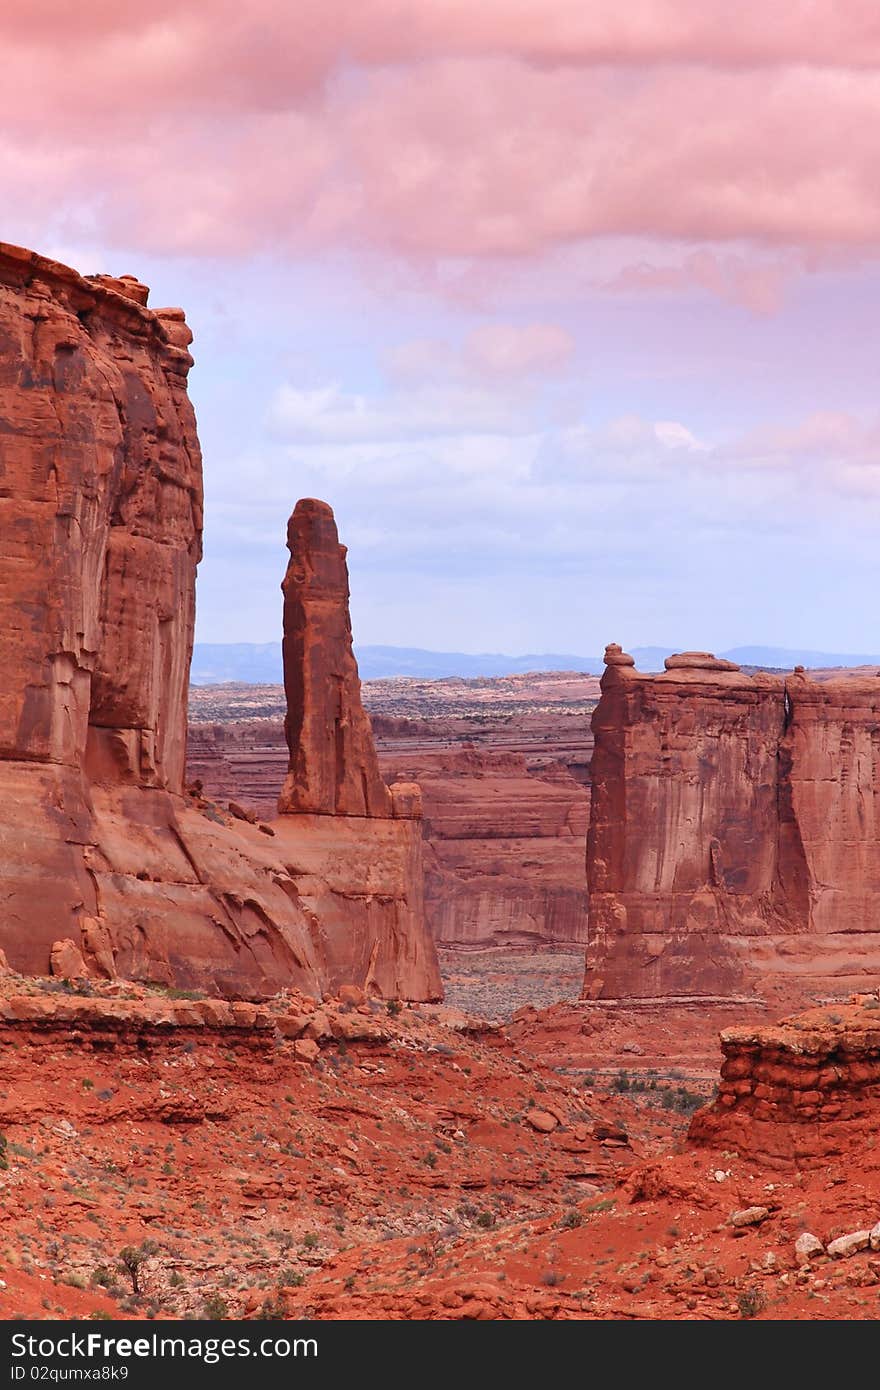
[
  {"x": 734, "y": 840},
  {"x": 101, "y": 518}
]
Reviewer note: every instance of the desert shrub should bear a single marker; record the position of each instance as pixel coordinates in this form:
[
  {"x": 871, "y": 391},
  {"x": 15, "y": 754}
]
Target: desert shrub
[
  {"x": 570, "y": 1220},
  {"x": 131, "y": 1260},
  {"x": 273, "y": 1309},
  {"x": 215, "y": 1308}
]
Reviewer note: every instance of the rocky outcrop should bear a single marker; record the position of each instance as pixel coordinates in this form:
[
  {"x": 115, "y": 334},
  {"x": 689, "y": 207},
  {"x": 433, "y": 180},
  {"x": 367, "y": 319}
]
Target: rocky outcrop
[
  {"x": 359, "y": 842},
  {"x": 100, "y": 516},
  {"x": 801, "y": 1093},
  {"x": 333, "y": 764},
  {"x": 733, "y": 846}
]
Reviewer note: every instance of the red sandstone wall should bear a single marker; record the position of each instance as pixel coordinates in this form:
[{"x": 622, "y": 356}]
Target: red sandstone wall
[
  {"x": 100, "y": 521},
  {"x": 733, "y": 845},
  {"x": 100, "y": 513}
]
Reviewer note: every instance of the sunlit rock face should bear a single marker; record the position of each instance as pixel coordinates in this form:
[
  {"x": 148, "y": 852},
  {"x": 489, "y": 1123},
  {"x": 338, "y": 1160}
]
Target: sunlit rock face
[{"x": 734, "y": 845}]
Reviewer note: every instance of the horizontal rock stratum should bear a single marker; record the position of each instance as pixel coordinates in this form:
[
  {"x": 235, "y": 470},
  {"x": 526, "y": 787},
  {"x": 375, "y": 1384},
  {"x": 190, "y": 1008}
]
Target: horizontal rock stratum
[
  {"x": 801, "y": 1092},
  {"x": 734, "y": 841},
  {"x": 100, "y": 518}
]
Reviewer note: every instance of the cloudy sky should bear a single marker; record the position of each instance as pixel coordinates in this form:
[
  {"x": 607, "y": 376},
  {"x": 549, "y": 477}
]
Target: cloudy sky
[{"x": 569, "y": 309}]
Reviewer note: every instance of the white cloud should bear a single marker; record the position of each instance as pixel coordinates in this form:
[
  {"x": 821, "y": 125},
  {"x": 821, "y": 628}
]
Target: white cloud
[{"x": 330, "y": 415}]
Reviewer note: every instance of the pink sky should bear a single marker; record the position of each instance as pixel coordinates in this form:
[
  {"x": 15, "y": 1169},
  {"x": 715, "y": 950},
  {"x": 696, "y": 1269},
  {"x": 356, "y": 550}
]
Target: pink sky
[
  {"x": 513, "y": 220},
  {"x": 432, "y": 128}
]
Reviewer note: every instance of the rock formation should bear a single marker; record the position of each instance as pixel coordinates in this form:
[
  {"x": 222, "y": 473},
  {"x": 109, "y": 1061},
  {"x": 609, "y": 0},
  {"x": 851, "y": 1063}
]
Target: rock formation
[
  {"x": 801, "y": 1092},
  {"x": 100, "y": 517},
  {"x": 100, "y": 510},
  {"x": 333, "y": 764},
  {"x": 358, "y": 842},
  {"x": 503, "y": 838},
  {"x": 734, "y": 845},
  {"x": 503, "y": 851}
]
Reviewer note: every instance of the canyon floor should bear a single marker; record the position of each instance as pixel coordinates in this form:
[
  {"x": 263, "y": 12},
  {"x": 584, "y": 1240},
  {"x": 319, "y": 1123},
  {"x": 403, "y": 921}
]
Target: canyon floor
[
  {"x": 496, "y": 983},
  {"x": 168, "y": 1156}
]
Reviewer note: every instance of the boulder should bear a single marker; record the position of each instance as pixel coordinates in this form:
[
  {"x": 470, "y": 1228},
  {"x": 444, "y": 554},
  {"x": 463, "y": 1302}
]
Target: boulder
[
  {"x": 66, "y": 961},
  {"x": 807, "y": 1247},
  {"x": 749, "y": 1216},
  {"x": 844, "y": 1246},
  {"x": 541, "y": 1120}
]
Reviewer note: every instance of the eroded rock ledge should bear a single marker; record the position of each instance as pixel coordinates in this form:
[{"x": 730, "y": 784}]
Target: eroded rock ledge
[{"x": 799, "y": 1093}]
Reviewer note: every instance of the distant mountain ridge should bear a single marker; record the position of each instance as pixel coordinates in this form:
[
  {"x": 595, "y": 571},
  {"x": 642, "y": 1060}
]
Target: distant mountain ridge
[{"x": 250, "y": 663}]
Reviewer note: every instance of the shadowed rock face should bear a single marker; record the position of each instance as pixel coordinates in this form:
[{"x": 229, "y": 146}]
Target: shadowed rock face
[
  {"x": 333, "y": 764},
  {"x": 733, "y": 842},
  {"x": 100, "y": 535}
]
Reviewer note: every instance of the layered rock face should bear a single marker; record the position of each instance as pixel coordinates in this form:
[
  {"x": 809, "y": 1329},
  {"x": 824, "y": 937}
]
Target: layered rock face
[
  {"x": 503, "y": 765},
  {"x": 799, "y": 1093},
  {"x": 100, "y": 517},
  {"x": 733, "y": 844},
  {"x": 100, "y": 511},
  {"x": 503, "y": 841},
  {"x": 503, "y": 852}
]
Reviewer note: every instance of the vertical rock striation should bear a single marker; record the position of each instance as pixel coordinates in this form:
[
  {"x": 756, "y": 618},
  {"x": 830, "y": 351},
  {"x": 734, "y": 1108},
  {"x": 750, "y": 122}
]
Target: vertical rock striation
[
  {"x": 733, "y": 842},
  {"x": 333, "y": 765},
  {"x": 101, "y": 514}
]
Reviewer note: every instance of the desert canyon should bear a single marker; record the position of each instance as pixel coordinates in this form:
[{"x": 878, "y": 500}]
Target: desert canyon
[{"x": 224, "y": 1063}]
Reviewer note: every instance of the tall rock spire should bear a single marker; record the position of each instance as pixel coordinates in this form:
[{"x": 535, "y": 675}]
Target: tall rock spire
[{"x": 333, "y": 764}]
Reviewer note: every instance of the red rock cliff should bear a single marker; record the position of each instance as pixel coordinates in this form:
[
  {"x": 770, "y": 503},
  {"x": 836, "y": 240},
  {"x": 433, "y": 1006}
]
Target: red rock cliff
[
  {"x": 100, "y": 518},
  {"x": 101, "y": 513},
  {"x": 733, "y": 845}
]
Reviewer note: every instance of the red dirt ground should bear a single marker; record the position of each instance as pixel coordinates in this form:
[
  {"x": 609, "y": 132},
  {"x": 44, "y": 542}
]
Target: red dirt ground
[{"x": 399, "y": 1174}]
